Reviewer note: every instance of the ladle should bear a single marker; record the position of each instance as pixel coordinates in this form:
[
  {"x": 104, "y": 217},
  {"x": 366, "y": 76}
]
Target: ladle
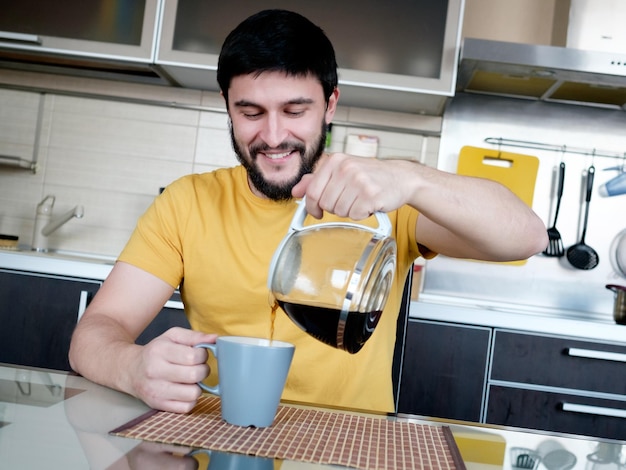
[{"x": 581, "y": 255}]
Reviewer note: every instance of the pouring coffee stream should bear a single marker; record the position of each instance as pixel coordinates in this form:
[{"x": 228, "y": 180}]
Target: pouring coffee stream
[{"x": 333, "y": 279}]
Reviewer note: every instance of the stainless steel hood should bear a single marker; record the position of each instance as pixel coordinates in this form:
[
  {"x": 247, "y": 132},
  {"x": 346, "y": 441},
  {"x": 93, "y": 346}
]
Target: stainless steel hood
[{"x": 546, "y": 73}]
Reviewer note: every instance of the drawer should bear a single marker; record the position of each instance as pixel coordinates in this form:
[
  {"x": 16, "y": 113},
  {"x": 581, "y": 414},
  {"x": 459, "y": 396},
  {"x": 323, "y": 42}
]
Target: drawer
[
  {"x": 559, "y": 362},
  {"x": 557, "y": 412}
]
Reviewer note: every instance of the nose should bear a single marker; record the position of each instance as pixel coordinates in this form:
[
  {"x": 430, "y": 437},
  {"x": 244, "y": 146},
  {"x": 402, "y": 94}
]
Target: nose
[{"x": 274, "y": 131}]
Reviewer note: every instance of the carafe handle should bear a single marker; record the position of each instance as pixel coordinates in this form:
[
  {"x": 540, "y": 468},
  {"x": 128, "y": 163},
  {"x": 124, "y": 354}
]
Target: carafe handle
[{"x": 383, "y": 229}]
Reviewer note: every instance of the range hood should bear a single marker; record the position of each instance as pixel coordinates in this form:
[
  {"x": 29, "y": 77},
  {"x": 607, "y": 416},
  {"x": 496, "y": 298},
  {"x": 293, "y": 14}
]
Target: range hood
[{"x": 546, "y": 73}]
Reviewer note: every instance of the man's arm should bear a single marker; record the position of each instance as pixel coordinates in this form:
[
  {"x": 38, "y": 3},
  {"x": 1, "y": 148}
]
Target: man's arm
[
  {"x": 162, "y": 373},
  {"x": 460, "y": 216}
]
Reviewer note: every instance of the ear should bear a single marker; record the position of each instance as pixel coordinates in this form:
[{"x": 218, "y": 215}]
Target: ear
[{"x": 332, "y": 105}]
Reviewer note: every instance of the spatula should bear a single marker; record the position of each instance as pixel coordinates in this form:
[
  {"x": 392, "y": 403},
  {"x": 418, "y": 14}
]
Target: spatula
[{"x": 555, "y": 242}]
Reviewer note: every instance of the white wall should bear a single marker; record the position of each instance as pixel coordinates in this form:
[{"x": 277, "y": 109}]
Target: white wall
[
  {"x": 112, "y": 154},
  {"x": 543, "y": 281}
]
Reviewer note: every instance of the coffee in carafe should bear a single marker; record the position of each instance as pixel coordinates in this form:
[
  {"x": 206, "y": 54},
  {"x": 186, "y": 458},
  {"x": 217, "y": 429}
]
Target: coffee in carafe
[
  {"x": 332, "y": 279},
  {"x": 323, "y": 324}
]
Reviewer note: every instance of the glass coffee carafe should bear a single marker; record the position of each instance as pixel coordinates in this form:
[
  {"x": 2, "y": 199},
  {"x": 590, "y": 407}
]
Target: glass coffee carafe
[{"x": 333, "y": 279}]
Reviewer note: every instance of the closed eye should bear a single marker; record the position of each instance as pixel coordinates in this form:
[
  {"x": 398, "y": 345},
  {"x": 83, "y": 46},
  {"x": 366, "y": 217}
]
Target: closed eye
[
  {"x": 252, "y": 115},
  {"x": 295, "y": 113}
]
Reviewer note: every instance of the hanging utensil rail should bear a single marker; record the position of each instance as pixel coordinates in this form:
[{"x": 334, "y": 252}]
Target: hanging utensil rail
[{"x": 500, "y": 141}]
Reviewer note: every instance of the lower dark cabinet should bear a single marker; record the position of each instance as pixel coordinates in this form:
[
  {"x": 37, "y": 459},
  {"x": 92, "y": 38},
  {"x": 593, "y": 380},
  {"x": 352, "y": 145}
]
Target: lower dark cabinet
[
  {"x": 166, "y": 319},
  {"x": 560, "y": 362},
  {"x": 444, "y": 370},
  {"x": 560, "y": 412},
  {"x": 38, "y": 314}
]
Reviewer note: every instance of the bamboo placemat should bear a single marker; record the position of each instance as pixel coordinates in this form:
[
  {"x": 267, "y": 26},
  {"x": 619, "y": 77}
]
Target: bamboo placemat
[{"x": 306, "y": 435}]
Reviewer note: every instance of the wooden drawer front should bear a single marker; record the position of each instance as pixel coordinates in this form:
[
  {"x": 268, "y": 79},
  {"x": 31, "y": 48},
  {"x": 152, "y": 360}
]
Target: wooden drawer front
[
  {"x": 558, "y": 412},
  {"x": 559, "y": 362}
]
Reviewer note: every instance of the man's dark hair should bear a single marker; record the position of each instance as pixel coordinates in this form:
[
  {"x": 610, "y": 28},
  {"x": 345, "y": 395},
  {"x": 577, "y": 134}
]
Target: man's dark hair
[{"x": 277, "y": 40}]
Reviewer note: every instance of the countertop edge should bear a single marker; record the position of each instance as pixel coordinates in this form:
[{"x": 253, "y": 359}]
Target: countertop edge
[
  {"x": 56, "y": 265},
  {"x": 472, "y": 313}
]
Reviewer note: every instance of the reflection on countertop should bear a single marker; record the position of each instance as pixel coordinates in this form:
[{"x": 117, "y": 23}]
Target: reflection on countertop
[{"x": 72, "y": 431}]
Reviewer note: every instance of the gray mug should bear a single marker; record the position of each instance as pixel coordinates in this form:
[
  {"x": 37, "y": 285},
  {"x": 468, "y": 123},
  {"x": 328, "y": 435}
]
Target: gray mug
[{"x": 252, "y": 375}]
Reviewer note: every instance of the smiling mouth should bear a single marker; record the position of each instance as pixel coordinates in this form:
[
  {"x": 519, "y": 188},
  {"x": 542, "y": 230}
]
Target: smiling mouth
[{"x": 277, "y": 156}]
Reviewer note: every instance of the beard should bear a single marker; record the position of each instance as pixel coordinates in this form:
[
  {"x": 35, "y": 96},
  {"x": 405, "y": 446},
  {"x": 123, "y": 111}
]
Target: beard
[{"x": 279, "y": 191}]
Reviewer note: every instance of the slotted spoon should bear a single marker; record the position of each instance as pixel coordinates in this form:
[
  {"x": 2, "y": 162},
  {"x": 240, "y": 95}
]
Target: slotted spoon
[{"x": 555, "y": 242}]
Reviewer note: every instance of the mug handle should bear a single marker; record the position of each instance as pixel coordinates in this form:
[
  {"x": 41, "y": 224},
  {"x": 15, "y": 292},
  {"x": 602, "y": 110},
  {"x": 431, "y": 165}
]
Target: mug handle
[
  {"x": 213, "y": 348},
  {"x": 384, "y": 225}
]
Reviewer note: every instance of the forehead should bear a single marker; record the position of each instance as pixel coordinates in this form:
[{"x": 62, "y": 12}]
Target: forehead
[{"x": 274, "y": 88}]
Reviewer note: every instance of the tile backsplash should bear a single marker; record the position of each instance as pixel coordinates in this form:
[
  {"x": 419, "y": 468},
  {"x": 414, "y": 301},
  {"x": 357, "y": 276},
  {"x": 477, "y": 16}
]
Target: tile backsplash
[{"x": 110, "y": 146}]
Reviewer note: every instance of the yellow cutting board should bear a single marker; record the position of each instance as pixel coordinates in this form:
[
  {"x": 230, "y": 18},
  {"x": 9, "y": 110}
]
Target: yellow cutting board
[{"x": 515, "y": 171}]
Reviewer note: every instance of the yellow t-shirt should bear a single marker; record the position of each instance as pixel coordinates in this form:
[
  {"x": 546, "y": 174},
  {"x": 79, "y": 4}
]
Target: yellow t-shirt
[{"x": 209, "y": 234}]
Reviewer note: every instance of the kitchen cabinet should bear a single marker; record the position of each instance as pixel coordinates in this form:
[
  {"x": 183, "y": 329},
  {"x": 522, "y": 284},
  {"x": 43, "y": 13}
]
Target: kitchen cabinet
[
  {"x": 38, "y": 313},
  {"x": 93, "y": 37},
  {"x": 377, "y": 69},
  {"x": 562, "y": 362},
  {"x": 556, "y": 411},
  {"x": 514, "y": 378},
  {"x": 170, "y": 316},
  {"x": 444, "y": 370},
  {"x": 557, "y": 383},
  {"x": 20, "y": 122}
]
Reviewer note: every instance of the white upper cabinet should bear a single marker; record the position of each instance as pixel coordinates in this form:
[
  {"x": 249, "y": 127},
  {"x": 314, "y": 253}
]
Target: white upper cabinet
[{"x": 399, "y": 55}]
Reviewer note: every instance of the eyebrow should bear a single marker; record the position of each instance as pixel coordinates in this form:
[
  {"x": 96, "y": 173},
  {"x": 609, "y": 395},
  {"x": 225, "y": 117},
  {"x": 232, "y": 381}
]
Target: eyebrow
[{"x": 244, "y": 103}]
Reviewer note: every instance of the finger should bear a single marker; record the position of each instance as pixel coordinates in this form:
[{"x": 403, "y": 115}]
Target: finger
[
  {"x": 172, "y": 396},
  {"x": 313, "y": 208},
  {"x": 183, "y": 355},
  {"x": 174, "y": 406},
  {"x": 345, "y": 204},
  {"x": 189, "y": 337},
  {"x": 318, "y": 184},
  {"x": 299, "y": 190},
  {"x": 163, "y": 354}
]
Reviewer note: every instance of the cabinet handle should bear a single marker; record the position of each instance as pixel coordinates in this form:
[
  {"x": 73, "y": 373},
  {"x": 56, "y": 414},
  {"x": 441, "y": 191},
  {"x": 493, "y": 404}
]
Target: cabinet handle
[
  {"x": 593, "y": 354},
  {"x": 82, "y": 304},
  {"x": 19, "y": 37},
  {"x": 594, "y": 410},
  {"x": 174, "y": 304}
]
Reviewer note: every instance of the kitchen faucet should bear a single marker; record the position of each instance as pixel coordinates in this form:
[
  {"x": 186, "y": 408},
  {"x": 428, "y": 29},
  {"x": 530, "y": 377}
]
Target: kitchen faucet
[{"x": 45, "y": 224}]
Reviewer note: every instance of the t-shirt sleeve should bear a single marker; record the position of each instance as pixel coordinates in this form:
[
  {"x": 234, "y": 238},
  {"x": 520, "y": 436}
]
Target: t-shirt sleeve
[{"x": 155, "y": 245}]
